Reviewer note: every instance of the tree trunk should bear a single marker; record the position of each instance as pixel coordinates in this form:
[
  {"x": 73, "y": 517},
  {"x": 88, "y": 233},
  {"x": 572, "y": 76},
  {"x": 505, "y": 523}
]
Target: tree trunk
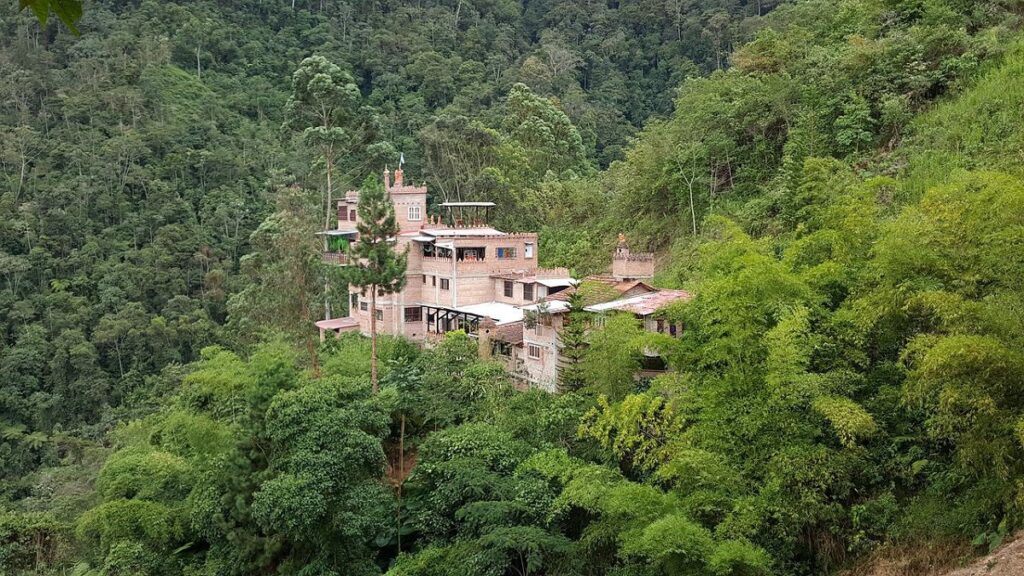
[
  {"x": 373, "y": 340},
  {"x": 401, "y": 479},
  {"x": 693, "y": 211},
  {"x": 329, "y": 158}
]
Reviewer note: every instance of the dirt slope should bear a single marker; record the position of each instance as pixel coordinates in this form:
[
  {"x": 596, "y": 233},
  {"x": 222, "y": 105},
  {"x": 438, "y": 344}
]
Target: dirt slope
[
  {"x": 942, "y": 560},
  {"x": 1007, "y": 560}
]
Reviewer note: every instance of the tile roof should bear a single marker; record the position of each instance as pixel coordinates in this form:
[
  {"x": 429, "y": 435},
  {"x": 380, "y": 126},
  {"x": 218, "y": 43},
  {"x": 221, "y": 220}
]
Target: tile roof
[
  {"x": 511, "y": 333},
  {"x": 643, "y": 304}
]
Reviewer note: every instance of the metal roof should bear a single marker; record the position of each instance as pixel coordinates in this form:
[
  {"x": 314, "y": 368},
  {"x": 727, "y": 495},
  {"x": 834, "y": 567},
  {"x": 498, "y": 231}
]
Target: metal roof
[
  {"x": 338, "y": 232},
  {"x": 549, "y": 307},
  {"x": 556, "y": 282},
  {"x": 338, "y": 324},
  {"x": 457, "y": 232},
  {"x": 501, "y": 313},
  {"x": 643, "y": 304},
  {"x": 468, "y": 204}
]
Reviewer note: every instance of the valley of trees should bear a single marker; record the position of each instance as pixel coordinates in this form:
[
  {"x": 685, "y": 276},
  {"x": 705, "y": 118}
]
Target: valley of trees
[{"x": 838, "y": 182}]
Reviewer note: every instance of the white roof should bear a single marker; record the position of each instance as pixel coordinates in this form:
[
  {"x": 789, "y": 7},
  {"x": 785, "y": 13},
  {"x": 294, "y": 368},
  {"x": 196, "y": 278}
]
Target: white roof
[
  {"x": 501, "y": 313},
  {"x": 556, "y": 282},
  {"x": 422, "y": 238},
  {"x": 468, "y": 204},
  {"x": 551, "y": 307},
  {"x": 337, "y": 232},
  {"x": 456, "y": 232}
]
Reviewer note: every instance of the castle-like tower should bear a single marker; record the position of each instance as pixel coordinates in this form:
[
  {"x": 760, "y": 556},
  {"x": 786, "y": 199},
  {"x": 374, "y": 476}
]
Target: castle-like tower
[{"x": 628, "y": 265}]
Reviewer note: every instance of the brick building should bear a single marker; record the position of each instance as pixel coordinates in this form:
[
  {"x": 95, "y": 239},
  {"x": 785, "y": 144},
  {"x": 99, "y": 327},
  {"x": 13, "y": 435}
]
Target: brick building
[
  {"x": 464, "y": 274},
  {"x": 460, "y": 269}
]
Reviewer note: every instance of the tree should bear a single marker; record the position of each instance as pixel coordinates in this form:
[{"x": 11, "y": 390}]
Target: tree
[
  {"x": 613, "y": 359},
  {"x": 283, "y": 272},
  {"x": 573, "y": 345},
  {"x": 324, "y": 104},
  {"x": 377, "y": 268}
]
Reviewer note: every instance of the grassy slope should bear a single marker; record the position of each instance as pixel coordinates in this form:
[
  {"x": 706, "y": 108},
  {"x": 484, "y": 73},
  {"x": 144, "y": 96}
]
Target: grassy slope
[{"x": 980, "y": 129}]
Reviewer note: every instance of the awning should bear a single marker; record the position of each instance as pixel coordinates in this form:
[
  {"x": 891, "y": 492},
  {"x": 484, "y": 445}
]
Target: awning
[{"x": 422, "y": 238}]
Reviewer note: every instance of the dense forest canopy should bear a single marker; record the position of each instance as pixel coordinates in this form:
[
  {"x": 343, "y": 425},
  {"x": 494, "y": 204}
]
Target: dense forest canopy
[{"x": 838, "y": 182}]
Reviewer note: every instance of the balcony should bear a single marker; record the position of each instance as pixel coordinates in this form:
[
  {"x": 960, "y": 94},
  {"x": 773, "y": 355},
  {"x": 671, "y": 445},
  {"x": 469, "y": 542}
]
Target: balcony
[{"x": 336, "y": 258}]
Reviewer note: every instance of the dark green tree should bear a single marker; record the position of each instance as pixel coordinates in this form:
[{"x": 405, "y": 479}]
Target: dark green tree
[
  {"x": 376, "y": 266},
  {"x": 574, "y": 345}
]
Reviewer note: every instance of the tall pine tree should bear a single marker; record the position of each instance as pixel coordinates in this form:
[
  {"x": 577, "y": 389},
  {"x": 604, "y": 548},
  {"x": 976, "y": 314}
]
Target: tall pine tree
[
  {"x": 376, "y": 266},
  {"x": 574, "y": 345}
]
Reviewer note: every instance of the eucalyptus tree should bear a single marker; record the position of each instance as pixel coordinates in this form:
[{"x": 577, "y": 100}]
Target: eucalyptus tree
[{"x": 324, "y": 105}]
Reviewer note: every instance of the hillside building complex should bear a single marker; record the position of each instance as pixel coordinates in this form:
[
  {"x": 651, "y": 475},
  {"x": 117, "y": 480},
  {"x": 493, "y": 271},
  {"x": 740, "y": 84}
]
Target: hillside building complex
[{"x": 463, "y": 274}]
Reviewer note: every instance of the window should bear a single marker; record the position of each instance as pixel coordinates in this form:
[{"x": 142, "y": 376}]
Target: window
[
  {"x": 528, "y": 292},
  {"x": 528, "y": 250},
  {"x": 444, "y": 283},
  {"x": 380, "y": 314},
  {"x": 352, "y": 215},
  {"x": 424, "y": 278},
  {"x": 508, "y": 288},
  {"x": 659, "y": 326},
  {"x": 534, "y": 351},
  {"x": 433, "y": 280},
  {"x": 413, "y": 314},
  {"x": 342, "y": 213},
  {"x": 470, "y": 254},
  {"x": 506, "y": 253},
  {"x": 414, "y": 212},
  {"x": 354, "y": 299},
  {"x": 364, "y": 306}
]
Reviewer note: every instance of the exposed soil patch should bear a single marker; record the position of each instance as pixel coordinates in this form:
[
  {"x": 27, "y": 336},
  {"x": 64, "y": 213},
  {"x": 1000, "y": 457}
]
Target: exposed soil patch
[{"x": 944, "y": 560}]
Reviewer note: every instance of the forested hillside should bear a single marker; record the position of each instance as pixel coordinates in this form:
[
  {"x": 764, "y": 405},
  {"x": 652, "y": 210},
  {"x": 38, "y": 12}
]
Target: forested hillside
[
  {"x": 839, "y": 184},
  {"x": 139, "y": 158}
]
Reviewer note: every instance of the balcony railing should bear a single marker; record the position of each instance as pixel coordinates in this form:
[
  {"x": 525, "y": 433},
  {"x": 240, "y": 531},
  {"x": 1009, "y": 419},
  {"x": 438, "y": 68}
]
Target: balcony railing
[{"x": 337, "y": 258}]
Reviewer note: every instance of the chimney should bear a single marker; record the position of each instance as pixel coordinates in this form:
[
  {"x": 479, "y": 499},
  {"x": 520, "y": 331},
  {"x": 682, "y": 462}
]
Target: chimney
[
  {"x": 398, "y": 176},
  {"x": 387, "y": 178},
  {"x": 484, "y": 330}
]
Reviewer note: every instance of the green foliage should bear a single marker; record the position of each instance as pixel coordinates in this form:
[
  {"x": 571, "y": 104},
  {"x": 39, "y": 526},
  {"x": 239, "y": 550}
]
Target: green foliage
[
  {"x": 573, "y": 341},
  {"x": 613, "y": 357},
  {"x": 635, "y": 430},
  {"x": 69, "y": 11},
  {"x": 848, "y": 370}
]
